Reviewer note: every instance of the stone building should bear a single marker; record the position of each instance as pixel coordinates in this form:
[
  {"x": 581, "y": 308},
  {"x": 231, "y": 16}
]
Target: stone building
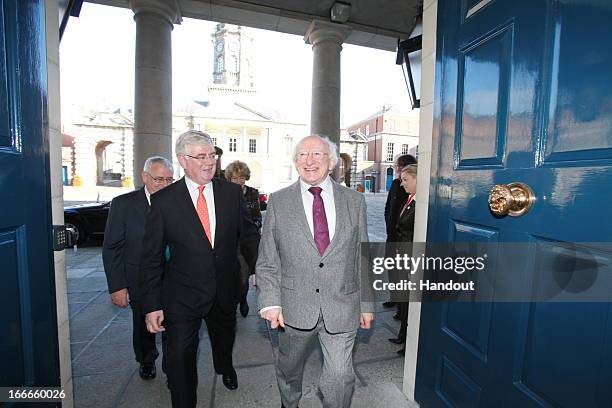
[
  {"x": 389, "y": 133},
  {"x": 246, "y": 127}
]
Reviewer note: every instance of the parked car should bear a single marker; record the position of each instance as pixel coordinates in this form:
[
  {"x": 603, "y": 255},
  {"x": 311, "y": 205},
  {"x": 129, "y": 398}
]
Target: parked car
[
  {"x": 88, "y": 220},
  {"x": 263, "y": 201}
]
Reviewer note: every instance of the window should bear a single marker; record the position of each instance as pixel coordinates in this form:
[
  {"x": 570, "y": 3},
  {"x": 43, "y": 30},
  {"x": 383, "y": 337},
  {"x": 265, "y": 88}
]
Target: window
[
  {"x": 390, "y": 152},
  {"x": 232, "y": 144},
  {"x": 288, "y": 142},
  {"x": 404, "y": 149},
  {"x": 391, "y": 125},
  {"x": 219, "y": 64},
  {"x": 252, "y": 146},
  {"x": 214, "y": 139},
  {"x": 287, "y": 171}
]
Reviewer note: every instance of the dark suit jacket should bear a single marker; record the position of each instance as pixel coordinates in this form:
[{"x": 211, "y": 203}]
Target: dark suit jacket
[
  {"x": 123, "y": 241},
  {"x": 405, "y": 223},
  {"x": 195, "y": 274},
  {"x": 395, "y": 201}
]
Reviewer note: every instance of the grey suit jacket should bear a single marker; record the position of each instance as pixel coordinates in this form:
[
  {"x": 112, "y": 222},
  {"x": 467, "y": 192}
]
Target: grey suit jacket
[{"x": 292, "y": 274}]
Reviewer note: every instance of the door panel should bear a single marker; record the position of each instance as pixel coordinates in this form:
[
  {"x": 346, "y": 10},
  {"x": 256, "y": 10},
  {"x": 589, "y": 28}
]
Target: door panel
[
  {"x": 483, "y": 93},
  {"x": 29, "y": 344},
  {"x": 523, "y": 93}
]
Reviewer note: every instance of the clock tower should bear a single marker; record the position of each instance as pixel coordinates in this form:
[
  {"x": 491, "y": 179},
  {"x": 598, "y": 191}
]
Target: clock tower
[{"x": 233, "y": 59}]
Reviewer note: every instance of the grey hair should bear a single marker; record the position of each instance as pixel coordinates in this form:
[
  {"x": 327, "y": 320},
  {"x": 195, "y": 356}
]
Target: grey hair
[
  {"x": 157, "y": 159},
  {"x": 192, "y": 137},
  {"x": 333, "y": 149}
]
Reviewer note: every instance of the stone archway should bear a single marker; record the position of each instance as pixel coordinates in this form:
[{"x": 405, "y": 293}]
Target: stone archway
[
  {"x": 105, "y": 163},
  {"x": 345, "y": 169}
]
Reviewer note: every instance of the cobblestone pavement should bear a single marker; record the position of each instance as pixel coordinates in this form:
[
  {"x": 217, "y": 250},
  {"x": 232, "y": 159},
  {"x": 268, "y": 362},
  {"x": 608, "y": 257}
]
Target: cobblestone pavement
[{"x": 105, "y": 373}]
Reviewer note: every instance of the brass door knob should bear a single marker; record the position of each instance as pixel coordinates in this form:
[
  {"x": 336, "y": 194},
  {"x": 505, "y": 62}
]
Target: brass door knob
[{"x": 513, "y": 199}]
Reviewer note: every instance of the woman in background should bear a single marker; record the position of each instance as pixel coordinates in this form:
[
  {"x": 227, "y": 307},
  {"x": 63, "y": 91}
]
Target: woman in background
[{"x": 239, "y": 173}]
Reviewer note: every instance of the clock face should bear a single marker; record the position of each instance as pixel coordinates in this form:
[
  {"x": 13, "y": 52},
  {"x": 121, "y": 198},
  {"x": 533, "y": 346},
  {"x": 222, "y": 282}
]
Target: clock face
[{"x": 219, "y": 47}]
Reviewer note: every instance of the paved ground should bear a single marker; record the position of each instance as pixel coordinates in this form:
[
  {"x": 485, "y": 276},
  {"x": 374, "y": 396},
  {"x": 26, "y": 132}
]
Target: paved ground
[{"x": 106, "y": 375}]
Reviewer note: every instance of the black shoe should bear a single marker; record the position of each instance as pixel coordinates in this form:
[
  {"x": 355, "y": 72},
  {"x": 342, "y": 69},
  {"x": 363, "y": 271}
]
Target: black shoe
[
  {"x": 230, "y": 380},
  {"x": 396, "y": 316},
  {"x": 389, "y": 304},
  {"x": 147, "y": 371},
  {"x": 282, "y": 406},
  {"x": 397, "y": 340},
  {"x": 244, "y": 308},
  {"x": 402, "y": 352}
]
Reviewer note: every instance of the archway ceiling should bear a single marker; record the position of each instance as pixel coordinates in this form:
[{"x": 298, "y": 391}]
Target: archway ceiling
[{"x": 374, "y": 23}]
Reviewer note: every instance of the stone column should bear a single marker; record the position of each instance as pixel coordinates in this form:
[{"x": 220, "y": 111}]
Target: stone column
[
  {"x": 155, "y": 20},
  {"x": 326, "y": 39}
]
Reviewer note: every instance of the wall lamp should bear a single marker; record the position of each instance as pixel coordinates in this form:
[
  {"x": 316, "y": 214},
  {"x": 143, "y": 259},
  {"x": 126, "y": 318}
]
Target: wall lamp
[{"x": 409, "y": 57}]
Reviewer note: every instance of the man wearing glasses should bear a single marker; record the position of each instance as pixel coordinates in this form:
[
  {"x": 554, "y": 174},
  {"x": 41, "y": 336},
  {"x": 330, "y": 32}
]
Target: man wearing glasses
[
  {"x": 121, "y": 255},
  {"x": 201, "y": 219},
  {"x": 308, "y": 280}
]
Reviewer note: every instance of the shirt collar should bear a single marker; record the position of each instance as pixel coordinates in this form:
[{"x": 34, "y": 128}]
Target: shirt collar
[
  {"x": 326, "y": 185},
  {"x": 148, "y": 195},
  {"x": 192, "y": 185}
]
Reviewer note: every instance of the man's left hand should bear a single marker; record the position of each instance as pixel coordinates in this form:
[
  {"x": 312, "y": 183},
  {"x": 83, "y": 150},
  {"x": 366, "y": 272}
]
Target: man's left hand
[{"x": 365, "y": 322}]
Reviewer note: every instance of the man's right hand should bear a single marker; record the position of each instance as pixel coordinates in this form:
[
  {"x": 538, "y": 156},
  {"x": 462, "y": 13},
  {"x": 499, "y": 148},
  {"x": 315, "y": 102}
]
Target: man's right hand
[
  {"x": 154, "y": 321},
  {"x": 121, "y": 298},
  {"x": 274, "y": 316}
]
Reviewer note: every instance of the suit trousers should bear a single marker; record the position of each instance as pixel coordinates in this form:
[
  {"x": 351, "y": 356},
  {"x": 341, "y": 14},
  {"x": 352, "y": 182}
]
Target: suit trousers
[
  {"x": 143, "y": 341},
  {"x": 403, "y": 315},
  {"x": 337, "y": 380},
  {"x": 181, "y": 348}
]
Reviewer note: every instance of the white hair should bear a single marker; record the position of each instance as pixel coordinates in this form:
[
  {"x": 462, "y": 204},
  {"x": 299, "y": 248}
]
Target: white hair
[
  {"x": 333, "y": 149},
  {"x": 192, "y": 137},
  {"x": 157, "y": 159}
]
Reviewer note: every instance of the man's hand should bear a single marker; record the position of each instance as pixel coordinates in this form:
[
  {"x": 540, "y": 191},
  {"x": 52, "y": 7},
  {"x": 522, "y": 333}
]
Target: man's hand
[
  {"x": 365, "y": 322},
  {"x": 121, "y": 298},
  {"x": 154, "y": 321},
  {"x": 275, "y": 317}
]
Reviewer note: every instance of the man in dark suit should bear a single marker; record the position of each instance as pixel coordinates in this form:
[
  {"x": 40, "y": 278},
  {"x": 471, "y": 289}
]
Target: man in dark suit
[
  {"x": 201, "y": 219},
  {"x": 395, "y": 199},
  {"x": 121, "y": 255}
]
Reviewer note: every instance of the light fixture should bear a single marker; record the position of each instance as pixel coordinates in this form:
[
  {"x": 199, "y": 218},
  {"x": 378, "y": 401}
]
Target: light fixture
[
  {"x": 340, "y": 12},
  {"x": 409, "y": 57}
]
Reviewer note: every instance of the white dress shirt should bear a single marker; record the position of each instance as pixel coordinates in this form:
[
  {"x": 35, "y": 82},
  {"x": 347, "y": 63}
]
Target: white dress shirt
[
  {"x": 148, "y": 195},
  {"x": 209, "y": 195},
  {"x": 327, "y": 194}
]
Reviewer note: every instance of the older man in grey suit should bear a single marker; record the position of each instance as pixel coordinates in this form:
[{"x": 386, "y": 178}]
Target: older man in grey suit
[{"x": 308, "y": 274}]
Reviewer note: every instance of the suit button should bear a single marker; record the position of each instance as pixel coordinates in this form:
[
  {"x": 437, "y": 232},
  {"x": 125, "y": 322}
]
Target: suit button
[
  {"x": 317, "y": 290},
  {"x": 321, "y": 265}
]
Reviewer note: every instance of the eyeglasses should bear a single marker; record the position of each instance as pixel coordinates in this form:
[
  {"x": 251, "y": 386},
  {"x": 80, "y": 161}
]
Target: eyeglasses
[
  {"x": 302, "y": 156},
  {"x": 160, "y": 180},
  {"x": 236, "y": 179},
  {"x": 203, "y": 157}
]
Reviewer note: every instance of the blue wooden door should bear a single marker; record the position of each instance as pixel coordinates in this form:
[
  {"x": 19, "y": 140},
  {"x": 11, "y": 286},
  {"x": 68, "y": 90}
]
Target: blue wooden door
[
  {"x": 28, "y": 344},
  {"x": 523, "y": 94},
  {"x": 389, "y": 178}
]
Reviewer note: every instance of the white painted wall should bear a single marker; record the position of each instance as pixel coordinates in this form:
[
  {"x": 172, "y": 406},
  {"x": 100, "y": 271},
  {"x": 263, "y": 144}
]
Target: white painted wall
[
  {"x": 430, "y": 10},
  {"x": 57, "y": 198}
]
